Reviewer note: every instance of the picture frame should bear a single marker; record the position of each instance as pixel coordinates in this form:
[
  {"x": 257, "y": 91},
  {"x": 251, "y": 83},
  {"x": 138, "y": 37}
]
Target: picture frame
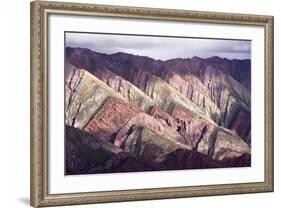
[{"x": 40, "y": 104}]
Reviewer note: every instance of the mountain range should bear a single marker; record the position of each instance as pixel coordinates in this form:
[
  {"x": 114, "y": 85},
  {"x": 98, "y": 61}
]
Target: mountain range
[{"x": 127, "y": 113}]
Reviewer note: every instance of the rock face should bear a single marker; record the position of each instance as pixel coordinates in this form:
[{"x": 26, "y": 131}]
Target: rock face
[
  {"x": 130, "y": 92},
  {"x": 193, "y": 89},
  {"x": 132, "y": 113},
  {"x": 231, "y": 98},
  {"x": 217, "y": 87},
  {"x": 191, "y": 127},
  {"x": 147, "y": 145},
  {"x": 112, "y": 115},
  {"x": 86, "y": 154},
  {"x": 143, "y": 119},
  {"x": 84, "y": 96}
]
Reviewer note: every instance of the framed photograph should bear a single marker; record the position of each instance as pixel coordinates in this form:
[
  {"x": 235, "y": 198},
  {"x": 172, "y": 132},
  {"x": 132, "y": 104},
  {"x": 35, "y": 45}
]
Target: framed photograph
[{"x": 143, "y": 103}]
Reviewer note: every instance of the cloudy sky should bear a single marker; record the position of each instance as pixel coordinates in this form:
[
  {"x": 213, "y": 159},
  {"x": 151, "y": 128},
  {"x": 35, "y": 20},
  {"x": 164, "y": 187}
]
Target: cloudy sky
[{"x": 163, "y": 48}]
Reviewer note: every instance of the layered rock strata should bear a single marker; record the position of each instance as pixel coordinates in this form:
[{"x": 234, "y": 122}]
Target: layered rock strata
[{"x": 131, "y": 113}]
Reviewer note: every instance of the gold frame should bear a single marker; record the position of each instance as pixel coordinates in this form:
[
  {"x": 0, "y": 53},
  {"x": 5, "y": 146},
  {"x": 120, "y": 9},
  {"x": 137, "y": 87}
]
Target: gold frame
[{"x": 39, "y": 103}]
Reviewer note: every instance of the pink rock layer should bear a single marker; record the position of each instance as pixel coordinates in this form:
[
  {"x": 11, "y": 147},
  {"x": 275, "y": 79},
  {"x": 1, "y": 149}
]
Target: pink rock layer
[{"x": 110, "y": 118}]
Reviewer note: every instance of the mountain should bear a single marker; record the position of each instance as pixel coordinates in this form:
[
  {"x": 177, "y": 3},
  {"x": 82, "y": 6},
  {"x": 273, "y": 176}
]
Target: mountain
[
  {"x": 203, "y": 82},
  {"x": 156, "y": 115}
]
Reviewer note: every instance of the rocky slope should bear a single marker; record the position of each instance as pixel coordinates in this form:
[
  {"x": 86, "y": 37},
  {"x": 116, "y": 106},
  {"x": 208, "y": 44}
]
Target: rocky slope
[
  {"x": 84, "y": 94},
  {"x": 112, "y": 115},
  {"x": 87, "y": 154},
  {"x": 203, "y": 82},
  {"x": 156, "y": 115}
]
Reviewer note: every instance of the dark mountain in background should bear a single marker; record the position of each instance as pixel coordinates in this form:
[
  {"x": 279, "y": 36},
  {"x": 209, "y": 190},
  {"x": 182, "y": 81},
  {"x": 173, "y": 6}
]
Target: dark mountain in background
[{"x": 160, "y": 115}]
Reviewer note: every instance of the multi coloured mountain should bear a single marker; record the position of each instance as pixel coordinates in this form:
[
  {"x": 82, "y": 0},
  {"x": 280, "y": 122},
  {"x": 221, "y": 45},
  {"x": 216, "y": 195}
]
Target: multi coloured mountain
[{"x": 127, "y": 113}]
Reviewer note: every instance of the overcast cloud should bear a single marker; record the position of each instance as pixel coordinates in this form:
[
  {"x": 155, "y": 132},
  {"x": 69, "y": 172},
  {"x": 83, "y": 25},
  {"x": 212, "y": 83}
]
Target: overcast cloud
[{"x": 161, "y": 47}]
